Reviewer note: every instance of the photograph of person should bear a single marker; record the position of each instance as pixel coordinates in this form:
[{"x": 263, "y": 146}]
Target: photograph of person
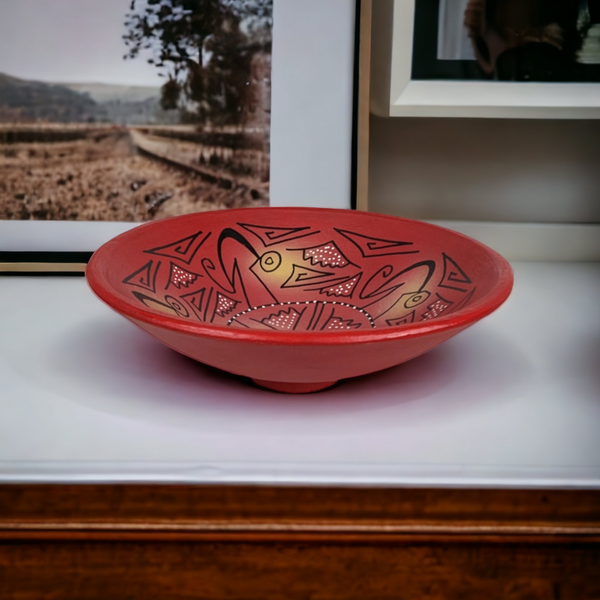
[{"x": 507, "y": 40}]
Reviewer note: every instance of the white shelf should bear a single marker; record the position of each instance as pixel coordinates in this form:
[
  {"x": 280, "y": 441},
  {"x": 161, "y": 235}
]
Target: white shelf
[{"x": 513, "y": 401}]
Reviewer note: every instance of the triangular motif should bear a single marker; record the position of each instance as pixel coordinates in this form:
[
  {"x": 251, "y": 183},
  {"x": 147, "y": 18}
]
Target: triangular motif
[
  {"x": 370, "y": 247},
  {"x": 275, "y": 235},
  {"x": 344, "y": 288},
  {"x": 179, "y": 277},
  {"x": 304, "y": 276},
  {"x": 410, "y": 318},
  {"x": 454, "y": 277},
  {"x": 224, "y": 305},
  {"x": 284, "y": 320},
  {"x": 196, "y": 301},
  {"x": 144, "y": 277},
  {"x": 184, "y": 249},
  {"x": 335, "y": 323},
  {"x": 326, "y": 255}
]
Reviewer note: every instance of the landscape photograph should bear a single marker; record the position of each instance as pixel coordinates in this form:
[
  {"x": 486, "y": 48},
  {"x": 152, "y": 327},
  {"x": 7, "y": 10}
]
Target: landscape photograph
[{"x": 133, "y": 110}]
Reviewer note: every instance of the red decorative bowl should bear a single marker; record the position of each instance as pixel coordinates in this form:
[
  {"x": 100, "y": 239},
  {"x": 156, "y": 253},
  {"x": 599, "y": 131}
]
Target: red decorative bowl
[{"x": 299, "y": 298}]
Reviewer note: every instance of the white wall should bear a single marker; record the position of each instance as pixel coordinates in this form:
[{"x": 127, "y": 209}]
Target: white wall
[
  {"x": 485, "y": 169},
  {"x": 311, "y": 122}
]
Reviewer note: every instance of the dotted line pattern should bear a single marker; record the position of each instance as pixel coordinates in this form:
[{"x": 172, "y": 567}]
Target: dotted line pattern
[{"x": 364, "y": 312}]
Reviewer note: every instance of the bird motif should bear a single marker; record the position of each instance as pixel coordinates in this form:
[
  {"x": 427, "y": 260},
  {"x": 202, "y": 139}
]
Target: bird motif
[{"x": 282, "y": 273}]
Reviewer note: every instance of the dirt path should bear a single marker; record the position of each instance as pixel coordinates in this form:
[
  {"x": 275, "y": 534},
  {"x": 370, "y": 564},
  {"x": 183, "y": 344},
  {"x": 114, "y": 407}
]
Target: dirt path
[{"x": 101, "y": 179}]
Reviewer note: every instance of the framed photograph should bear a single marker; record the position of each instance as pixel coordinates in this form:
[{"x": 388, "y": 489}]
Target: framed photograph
[
  {"x": 117, "y": 112},
  {"x": 486, "y": 58}
]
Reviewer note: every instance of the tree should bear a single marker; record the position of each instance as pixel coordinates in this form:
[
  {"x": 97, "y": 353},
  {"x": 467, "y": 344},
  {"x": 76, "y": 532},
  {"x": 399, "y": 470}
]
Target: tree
[{"x": 204, "y": 47}]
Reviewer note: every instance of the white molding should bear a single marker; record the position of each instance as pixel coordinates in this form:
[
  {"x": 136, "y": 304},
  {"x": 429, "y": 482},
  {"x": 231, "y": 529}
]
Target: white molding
[{"x": 312, "y": 100}]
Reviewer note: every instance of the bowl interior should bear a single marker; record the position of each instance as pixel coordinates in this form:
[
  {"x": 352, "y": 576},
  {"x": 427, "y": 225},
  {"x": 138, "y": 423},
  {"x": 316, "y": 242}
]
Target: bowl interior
[{"x": 294, "y": 270}]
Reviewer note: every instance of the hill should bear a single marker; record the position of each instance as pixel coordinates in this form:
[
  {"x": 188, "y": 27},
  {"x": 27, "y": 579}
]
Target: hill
[
  {"x": 26, "y": 101},
  {"x": 105, "y": 92},
  {"x": 22, "y": 100}
]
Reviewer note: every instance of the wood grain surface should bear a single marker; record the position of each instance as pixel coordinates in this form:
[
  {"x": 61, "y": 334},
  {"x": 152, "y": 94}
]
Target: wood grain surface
[
  {"x": 410, "y": 570},
  {"x": 246, "y": 542},
  {"x": 285, "y": 508}
]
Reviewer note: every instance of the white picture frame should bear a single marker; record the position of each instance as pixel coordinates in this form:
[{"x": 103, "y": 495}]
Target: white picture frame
[
  {"x": 313, "y": 116},
  {"x": 395, "y": 94}
]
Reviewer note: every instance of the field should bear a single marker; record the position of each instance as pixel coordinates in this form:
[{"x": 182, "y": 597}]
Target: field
[{"x": 108, "y": 173}]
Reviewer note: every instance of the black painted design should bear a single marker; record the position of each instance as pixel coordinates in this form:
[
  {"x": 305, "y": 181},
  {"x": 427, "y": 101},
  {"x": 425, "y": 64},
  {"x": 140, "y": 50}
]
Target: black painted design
[
  {"x": 164, "y": 307},
  {"x": 304, "y": 316},
  {"x": 302, "y": 276},
  {"x": 270, "y": 261},
  {"x": 209, "y": 267},
  {"x": 184, "y": 249},
  {"x": 371, "y": 247},
  {"x": 314, "y": 319},
  {"x": 144, "y": 277},
  {"x": 270, "y": 236},
  {"x": 264, "y": 286},
  {"x": 410, "y": 318},
  {"x": 334, "y": 322},
  {"x": 402, "y": 304},
  {"x": 412, "y": 300},
  {"x": 261, "y": 283},
  {"x": 454, "y": 275},
  {"x": 196, "y": 301},
  {"x": 342, "y": 288},
  {"x": 177, "y": 306},
  {"x": 373, "y": 288}
]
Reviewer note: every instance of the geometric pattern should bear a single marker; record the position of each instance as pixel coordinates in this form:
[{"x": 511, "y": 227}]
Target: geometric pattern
[
  {"x": 144, "y": 277},
  {"x": 370, "y": 246},
  {"x": 435, "y": 309},
  {"x": 326, "y": 255},
  {"x": 453, "y": 277},
  {"x": 184, "y": 249},
  {"x": 272, "y": 278},
  {"x": 181, "y": 277},
  {"x": 344, "y": 288}
]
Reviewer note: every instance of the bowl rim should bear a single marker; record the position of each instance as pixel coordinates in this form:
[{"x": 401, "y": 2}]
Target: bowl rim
[{"x": 461, "y": 319}]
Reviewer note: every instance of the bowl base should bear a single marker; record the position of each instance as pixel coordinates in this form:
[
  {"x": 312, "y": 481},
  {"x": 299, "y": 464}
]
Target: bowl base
[{"x": 294, "y": 388}]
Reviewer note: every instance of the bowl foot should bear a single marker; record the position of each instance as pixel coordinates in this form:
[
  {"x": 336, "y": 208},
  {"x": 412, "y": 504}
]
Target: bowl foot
[{"x": 293, "y": 388}]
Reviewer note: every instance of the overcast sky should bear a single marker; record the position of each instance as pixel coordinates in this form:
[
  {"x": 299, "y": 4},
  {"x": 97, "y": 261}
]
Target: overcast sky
[{"x": 70, "y": 41}]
